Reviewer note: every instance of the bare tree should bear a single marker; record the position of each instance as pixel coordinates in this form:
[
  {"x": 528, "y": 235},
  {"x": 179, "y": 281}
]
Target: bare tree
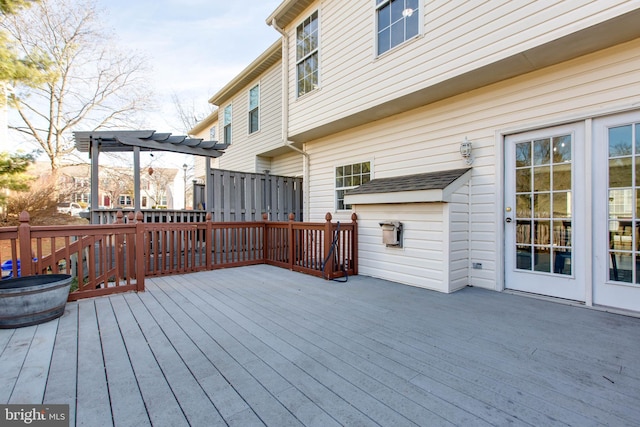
[
  {"x": 188, "y": 113},
  {"x": 91, "y": 84}
]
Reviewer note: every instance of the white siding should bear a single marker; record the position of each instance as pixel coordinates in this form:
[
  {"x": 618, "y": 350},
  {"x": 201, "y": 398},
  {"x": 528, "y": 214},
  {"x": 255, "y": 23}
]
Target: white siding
[
  {"x": 428, "y": 139},
  {"x": 287, "y": 165},
  {"x": 241, "y": 154},
  {"x": 457, "y": 37},
  {"x": 421, "y": 261}
]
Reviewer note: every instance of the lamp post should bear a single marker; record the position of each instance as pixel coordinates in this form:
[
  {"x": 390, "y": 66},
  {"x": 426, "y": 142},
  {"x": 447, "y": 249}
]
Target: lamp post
[{"x": 184, "y": 168}]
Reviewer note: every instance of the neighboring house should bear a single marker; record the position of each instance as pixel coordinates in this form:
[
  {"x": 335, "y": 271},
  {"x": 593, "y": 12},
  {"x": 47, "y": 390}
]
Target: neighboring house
[
  {"x": 503, "y": 136},
  {"x": 116, "y": 185}
]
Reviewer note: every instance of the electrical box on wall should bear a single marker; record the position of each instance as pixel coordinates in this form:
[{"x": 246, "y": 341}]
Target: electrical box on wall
[{"x": 392, "y": 233}]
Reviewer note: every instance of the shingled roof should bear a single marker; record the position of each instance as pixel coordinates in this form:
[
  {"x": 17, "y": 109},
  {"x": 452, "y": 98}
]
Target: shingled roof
[{"x": 424, "y": 187}]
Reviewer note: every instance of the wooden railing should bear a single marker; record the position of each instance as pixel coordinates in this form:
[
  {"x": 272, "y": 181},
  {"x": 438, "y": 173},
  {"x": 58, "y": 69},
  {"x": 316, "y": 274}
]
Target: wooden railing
[
  {"x": 111, "y": 258},
  {"x": 102, "y": 259},
  {"x": 326, "y": 249}
]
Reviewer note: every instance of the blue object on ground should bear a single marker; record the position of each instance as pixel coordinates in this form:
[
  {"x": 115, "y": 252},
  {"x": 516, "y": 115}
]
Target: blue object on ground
[{"x": 7, "y": 268}]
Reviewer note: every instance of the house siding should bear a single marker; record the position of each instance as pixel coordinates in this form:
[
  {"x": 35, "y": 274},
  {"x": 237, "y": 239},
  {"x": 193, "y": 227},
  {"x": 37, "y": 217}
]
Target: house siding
[
  {"x": 428, "y": 139},
  {"x": 457, "y": 37},
  {"x": 241, "y": 155},
  {"x": 287, "y": 164},
  {"x": 422, "y": 258}
]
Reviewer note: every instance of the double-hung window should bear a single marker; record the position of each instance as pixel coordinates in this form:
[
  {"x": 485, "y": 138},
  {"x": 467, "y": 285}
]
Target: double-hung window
[
  {"x": 226, "y": 122},
  {"x": 254, "y": 109},
  {"x": 397, "y": 21},
  {"x": 348, "y": 177},
  {"x": 307, "y": 54}
]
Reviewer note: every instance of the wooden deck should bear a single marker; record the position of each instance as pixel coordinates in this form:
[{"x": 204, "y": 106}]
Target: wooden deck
[{"x": 263, "y": 345}]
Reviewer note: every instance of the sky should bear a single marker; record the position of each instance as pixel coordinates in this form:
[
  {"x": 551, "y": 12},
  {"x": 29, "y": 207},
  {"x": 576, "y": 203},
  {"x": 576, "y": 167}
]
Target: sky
[{"x": 195, "y": 47}]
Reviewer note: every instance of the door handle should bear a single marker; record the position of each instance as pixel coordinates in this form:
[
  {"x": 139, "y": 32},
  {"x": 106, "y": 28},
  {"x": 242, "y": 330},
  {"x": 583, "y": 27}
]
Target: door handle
[{"x": 508, "y": 220}]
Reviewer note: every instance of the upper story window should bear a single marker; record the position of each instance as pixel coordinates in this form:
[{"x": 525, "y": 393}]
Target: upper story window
[
  {"x": 212, "y": 134},
  {"x": 307, "y": 54},
  {"x": 226, "y": 122},
  {"x": 254, "y": 109},
  {"x": 397, "y": 21},
  {"x": 348, "y": 177}
]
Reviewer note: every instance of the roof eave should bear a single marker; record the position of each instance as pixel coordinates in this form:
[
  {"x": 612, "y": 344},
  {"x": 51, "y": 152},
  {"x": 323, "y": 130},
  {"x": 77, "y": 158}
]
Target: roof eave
[
  {"x": 267, "y": 59},
  {"x": 204, "y": 123}
]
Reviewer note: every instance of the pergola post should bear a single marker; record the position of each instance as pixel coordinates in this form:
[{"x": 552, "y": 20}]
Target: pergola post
[
  {"x": 136, "y": 179},
  {"x": 208, "y": 186},
  {"x": 95, "y": 179}
]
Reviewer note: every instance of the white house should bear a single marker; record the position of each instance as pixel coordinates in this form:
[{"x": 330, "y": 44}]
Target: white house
[{"x": 530, "y": 110}]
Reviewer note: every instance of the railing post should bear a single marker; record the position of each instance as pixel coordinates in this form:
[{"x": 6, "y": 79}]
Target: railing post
[
  {"x": 208, "y": 242},
  {"x": 119, "y": 250},
  {"x": 265, "y": 232},
  {"x": 140, "y": 261},
  {"x": 24, "y": 240},
  {"x": 328, "y": 238},
  {"x": 354, "y": 243},
  {"x": 292, "y": 218}
]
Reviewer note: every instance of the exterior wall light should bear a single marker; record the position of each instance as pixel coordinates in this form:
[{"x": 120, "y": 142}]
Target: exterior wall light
[{"x": 465, "y": 151}]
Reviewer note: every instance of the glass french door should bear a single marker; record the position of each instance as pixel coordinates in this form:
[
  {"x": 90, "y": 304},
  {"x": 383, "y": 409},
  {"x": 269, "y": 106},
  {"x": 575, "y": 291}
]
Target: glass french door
[
  {"x": 617, "y": 240},
  {"x": 544, "y": 211}
]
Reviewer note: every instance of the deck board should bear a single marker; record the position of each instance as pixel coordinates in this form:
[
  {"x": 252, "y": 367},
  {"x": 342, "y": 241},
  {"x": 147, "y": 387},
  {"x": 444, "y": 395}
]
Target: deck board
[
  {"x": 265, "y": 346},
  {"x": 12, "y": 360},
  {"x": 34, "y": 372}
]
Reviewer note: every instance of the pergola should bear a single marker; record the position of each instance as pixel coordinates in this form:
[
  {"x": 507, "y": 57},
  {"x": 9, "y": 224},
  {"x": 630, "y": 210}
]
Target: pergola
[{"x": 136, "y": 141}]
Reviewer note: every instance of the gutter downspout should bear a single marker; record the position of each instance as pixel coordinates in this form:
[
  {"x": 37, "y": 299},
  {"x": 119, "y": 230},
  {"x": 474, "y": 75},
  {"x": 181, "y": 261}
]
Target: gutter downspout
[{"x": 285, "y": 121}]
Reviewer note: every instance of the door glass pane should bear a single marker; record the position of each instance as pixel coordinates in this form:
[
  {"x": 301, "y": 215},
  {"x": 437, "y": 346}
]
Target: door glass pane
[
  {"x": 542, "y": 259},
  {"x": 562, "y": 149},
  {"x": 620, "y": 141},
  {"x": 620, "y": 235},
  {"x": 620, "y": 172},
  {"x": 541, "y": 152},
  {"x": 523, "y": 257},
  {"x": 542, "y": 233},
  {"x": 541, "y": 205},
  {"x": 542, "y": 178},
  {"x": 523, "y": 206},
  {"x": 523, "y": 180},
  {"x": 562, "y": 176},
  {"x": 562, "y": 261},
  {"x": 562, "y": 204},
  {"x": 523, "y": 154},
  {"x": 562, "y": 233},
  {"x": 620, "y": 267},
  {"x": 523, "y": 232}
]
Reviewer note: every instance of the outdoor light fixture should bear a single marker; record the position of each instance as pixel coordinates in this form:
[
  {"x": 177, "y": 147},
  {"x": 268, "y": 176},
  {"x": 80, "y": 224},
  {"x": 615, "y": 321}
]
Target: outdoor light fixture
[{"x": 465, "y": 151}]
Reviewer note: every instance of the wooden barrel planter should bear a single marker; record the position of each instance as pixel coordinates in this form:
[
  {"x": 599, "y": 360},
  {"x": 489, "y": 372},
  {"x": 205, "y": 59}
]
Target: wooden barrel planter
[{"x": 32, "y": 300}]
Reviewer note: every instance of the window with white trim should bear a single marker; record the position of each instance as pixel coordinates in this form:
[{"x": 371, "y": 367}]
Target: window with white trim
[
  {"x": 307, "y": 54},
  {"x": 348, "y": 177},
  {"x": 397, "y": 21},
  {"x": 226, "y": 122},
  {"x": 125, "y": 200},
  {"x": 254, "y": 109}
]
